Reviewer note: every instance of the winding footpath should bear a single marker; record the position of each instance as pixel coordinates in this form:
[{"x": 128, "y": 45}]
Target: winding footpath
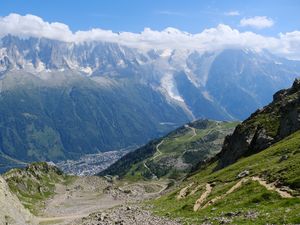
[
  {"x": 269, "y": 186},
  {"x": 193, "y": 131},
  {"x": 272, "y": 187},
  {"x": 157, "y": 150},
  {"x": 203, "y": 197},
  {"x": 157, "y": 154},
  {"x": 184, "y": 191}
]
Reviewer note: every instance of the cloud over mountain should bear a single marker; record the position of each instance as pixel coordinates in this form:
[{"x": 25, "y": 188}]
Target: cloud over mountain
[{"x": 220, "y": 37}]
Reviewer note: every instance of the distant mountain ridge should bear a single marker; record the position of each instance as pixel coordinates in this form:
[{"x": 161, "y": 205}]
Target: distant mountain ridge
[
  {"x": 219, "y": 80},
  {"x": 62, "y": 100}
]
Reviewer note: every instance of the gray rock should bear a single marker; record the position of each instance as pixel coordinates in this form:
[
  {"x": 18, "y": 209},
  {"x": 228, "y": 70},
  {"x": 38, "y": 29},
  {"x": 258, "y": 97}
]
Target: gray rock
[
  {"x": 283, "y": 158},
  {"x": 243, "y": 174}
]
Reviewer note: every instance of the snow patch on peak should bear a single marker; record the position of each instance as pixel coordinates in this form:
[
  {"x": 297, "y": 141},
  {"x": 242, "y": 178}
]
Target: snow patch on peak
[
  {"x": 40, "y": 66},
  {"x": 121, "y": 63},
  {"x": 166, "y": 53},
  {"x": 88, "y": 70}
]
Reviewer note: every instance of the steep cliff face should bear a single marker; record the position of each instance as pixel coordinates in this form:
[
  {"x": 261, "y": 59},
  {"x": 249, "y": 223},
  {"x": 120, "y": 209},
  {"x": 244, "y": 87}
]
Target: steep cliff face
[{"x": 264, "y": 127}]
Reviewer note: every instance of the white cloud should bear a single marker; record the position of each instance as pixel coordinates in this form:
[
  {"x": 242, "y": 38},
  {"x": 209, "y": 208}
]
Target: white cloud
[
  {"x": 220, "y": 37},
  {"x": 258, "y": 22},
  {"x": 232, "y": 13},
  {"x": 31, "y": 25}
]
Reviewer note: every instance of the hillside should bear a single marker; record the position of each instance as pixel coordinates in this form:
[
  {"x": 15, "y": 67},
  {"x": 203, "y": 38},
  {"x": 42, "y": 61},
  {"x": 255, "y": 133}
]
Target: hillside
[
  {"x": 174, "y": 155},
  {"x": 12, "y": 211},
  {"x": 34, "y": 184},
  {"x": 253, "y": 180},
  {"x": 263, "y": 188},
  {"x": 264, "y": 127},
  {"x": 259, "y": 187}
]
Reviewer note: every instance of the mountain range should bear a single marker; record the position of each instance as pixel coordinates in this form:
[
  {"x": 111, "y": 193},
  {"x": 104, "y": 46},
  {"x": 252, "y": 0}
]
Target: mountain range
[{"x": 62, "y": 100}]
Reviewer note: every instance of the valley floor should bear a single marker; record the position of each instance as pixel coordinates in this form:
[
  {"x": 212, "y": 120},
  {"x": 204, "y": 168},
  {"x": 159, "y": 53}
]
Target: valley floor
[{"x": 95, "y": 200}]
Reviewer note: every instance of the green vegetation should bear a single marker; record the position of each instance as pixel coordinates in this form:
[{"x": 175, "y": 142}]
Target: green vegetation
[
  {"x": 45, "y": 122},
  {"x": 251, "y": 203},
  {"x": 35, "y": 183},
  {"x": 174, "y": 155},
  {"x": 268, "y": 121}
]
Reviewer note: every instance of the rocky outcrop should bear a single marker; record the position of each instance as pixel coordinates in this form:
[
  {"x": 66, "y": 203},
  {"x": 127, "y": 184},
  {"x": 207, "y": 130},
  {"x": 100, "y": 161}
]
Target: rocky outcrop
[
  {"x": 264, "y": 127},
  {"x": 12, "y": 211}
]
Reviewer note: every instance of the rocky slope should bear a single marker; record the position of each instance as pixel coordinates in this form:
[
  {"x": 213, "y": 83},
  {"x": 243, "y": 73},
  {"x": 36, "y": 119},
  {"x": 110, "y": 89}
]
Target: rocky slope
[
  {"x": 125, "y": 215},
  {"x": 12, "y": 211},
  {"x": 174, "y": 155},
  {"x": 34, "y": 184},
  {"x": 264, "y": 127}
]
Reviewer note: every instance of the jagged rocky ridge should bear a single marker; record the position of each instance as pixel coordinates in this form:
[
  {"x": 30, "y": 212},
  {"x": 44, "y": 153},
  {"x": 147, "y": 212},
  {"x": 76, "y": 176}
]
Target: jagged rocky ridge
[{"x": 264, "y": 127}]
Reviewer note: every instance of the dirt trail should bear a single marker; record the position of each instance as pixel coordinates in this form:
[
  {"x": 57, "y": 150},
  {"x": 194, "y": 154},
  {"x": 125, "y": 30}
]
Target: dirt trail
[
  {"x": 157, "y": 154},
  {"x": 162, "y": 186},
  {"x": 268, "y": 186},
  {"x": 195, "y": 189},
  {"x": 157, "y": 150},
  {"x": 183, "y": 192},
  {"x": 232, "y": 189},
  {"x": 272, "y": 187},
  {"x": 236, "y": 186},
  {"x": 193, "y": 131},
  {"x": 153, "y": 175},
  {"x": 61, "y": 219},
  {"x": 145, "y": 165},
  {"x": 203, "y": 197}
]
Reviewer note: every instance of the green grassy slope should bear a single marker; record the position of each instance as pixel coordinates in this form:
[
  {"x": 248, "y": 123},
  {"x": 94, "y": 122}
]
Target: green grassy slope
[
  {"x": 251, "y": 203},
  {"x": 174, "y": 155}
]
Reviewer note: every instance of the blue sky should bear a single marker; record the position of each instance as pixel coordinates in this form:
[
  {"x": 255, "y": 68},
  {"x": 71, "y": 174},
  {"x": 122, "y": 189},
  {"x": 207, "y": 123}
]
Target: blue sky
[{"x": 134, "y": 15}]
